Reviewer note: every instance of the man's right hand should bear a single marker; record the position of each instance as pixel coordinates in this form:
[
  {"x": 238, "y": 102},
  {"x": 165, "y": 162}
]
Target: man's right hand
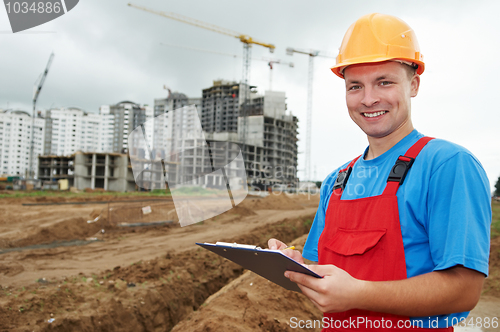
[
  {"x": 296, "y": 255},
  {"x": 274, "y": 244}
]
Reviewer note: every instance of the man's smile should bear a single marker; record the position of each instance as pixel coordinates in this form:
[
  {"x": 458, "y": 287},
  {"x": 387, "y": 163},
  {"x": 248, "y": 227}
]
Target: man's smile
[{"x": 373, "y": 114}]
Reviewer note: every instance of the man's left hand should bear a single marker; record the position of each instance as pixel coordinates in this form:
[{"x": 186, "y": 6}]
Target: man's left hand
[
  {"x": 337, "y": 291},
  {"x": 441, "y": 292}
]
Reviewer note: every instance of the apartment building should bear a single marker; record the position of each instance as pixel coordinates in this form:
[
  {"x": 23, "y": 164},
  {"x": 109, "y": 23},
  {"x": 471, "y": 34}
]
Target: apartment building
[
  {"x": 162, "y": 107},
  {"x": 127, "y": 116},
  {"x": 15, "y": 141},
  {"x": 263, "y": 128},
  {"x": 270, "y": 136},
  {"x": 72, "y": 129},
  {"x": 221, "y": 106}
]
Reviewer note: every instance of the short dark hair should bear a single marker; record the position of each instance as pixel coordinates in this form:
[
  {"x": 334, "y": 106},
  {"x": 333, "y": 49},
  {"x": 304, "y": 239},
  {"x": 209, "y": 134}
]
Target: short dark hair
[{"x": 410, "y": 69}]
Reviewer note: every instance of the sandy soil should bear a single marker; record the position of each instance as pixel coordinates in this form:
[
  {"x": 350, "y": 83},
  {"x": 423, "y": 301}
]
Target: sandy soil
[
  {"x": 252, "y": 303},
  {"x": 153, "y": 278}
]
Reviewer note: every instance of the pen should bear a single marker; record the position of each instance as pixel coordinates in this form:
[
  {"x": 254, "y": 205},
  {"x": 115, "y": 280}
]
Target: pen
[{"x": 291, "y": 247}]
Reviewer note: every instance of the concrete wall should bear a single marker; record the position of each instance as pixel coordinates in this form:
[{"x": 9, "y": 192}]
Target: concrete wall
[
  {"x": 274, "y": 104},
  {"x": 255, "y": 130}
]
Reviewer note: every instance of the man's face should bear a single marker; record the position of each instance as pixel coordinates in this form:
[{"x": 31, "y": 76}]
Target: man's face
[{"x": 378, "y": 97}]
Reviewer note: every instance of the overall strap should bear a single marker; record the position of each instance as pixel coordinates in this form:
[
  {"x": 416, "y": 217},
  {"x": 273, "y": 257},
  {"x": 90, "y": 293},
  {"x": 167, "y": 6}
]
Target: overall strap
[
  {"x": 342, "y": 178},
  {"x": 403, "y": 165}
]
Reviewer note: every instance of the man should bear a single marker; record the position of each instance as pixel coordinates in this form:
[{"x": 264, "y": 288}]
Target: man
[{"x": 402, "y": 232}]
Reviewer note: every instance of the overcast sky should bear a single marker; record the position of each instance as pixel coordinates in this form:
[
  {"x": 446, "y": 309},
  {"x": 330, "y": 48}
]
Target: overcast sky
[{"x": 106, "y": 52}]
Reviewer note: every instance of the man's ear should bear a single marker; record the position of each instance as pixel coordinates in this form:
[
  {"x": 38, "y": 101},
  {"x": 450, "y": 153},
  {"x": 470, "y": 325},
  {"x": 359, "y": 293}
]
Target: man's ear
[{"x": 414, "y": 85}]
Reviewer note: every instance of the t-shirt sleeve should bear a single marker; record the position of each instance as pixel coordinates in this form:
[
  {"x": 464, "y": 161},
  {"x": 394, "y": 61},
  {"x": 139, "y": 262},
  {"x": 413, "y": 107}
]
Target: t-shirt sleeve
[
  {"x": 459, "y": 210},
  {"x": 310, "y": 251}
]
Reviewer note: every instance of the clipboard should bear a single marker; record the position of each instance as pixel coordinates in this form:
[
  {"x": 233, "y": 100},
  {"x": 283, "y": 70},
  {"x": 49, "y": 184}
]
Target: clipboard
[{"x": 270, "y": 264}]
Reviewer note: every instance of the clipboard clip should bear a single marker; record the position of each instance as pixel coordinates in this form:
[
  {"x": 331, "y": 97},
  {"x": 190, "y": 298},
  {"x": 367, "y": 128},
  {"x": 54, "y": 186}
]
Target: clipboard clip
[{"x": 236, "y": 245}]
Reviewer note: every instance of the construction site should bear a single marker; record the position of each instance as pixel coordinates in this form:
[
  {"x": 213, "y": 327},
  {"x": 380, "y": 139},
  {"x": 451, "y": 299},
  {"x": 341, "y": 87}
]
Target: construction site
[
  {"x": 93, "y": 236},
  {"x": 95, "y": 262}
]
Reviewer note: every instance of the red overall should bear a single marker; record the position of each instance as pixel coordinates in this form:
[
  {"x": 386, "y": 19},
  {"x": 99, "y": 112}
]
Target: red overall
[{"x": 363, "y": 237}]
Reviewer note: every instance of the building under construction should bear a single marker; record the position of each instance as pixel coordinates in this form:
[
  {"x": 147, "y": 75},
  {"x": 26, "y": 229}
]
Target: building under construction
[
  {"x": 108, "y": 171},
  {"x": 264, "y": 130}
]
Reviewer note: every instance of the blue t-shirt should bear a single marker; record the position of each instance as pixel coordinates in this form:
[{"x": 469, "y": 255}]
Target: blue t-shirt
[{"x": 444, "y": 209}]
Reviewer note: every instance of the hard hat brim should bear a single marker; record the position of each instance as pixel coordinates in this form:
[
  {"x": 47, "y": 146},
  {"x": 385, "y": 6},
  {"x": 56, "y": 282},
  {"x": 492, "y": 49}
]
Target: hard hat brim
[{"x": 339, "y": 68}]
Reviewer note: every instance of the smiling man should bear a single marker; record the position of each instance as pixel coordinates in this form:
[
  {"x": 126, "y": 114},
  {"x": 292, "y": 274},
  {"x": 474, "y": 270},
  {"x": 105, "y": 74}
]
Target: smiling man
[{"x": 402, "y": 232}]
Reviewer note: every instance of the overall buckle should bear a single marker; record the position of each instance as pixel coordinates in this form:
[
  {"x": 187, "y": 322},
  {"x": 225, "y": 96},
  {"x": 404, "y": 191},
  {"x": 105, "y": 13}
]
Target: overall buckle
[
  {"x": 400, "y": 169},
  {"x": 342, "y": 177}
]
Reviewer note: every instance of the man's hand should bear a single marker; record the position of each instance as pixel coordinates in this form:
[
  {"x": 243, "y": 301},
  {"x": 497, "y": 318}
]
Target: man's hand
[
  {"x": 448, "y": 291},
  {"x": 274, "y": 244},
  {"x": 293, "y": 254},
  {"x": 337, "y": 291}
]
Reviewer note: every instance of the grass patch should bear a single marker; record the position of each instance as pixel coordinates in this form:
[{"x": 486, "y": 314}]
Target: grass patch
[
  {"x": 67, "y": 194},
  {"x": 495, "y": 223},
  {"x": 195, "y": 191}
]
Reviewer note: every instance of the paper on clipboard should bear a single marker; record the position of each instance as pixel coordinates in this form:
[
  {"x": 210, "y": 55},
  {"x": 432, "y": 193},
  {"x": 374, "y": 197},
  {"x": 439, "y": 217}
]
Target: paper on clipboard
[{"x": 270, "y": 264}]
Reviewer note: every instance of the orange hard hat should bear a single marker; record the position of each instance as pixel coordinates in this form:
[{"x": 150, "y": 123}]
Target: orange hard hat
[{"x": 376, "y": 38}]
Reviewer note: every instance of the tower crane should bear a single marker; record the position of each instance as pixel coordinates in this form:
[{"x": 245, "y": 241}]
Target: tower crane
[
  {"x": 245, "y": 39},
  {"x": 312, "y": 54},
  {"x": 270, "y": 62},
  {"x": 36, "y": 92}
]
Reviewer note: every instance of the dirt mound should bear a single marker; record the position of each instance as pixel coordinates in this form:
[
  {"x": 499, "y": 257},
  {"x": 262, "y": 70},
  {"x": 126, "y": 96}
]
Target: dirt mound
[
  {"x": 241, "y": 211},
  {"x": 275, "y": 201},
  {"x": 107, "y": 218},
  {"x": 97, "y": 213},
  {"x": 45, "y": 199},
  {"x": 11, "y": 270},
  {"x": 66, "y": 230},
  {"x": 145, "y": 296},
  {"x": 139, "y": 212},
  {"x": 233, "y": 215},
  {"x": 252, "y": 303}
]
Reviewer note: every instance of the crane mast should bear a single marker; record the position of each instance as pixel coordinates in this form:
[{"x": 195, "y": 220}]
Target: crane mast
[
  {"x": 36, "y": 93},
  {"x": 310, "y": 79}
]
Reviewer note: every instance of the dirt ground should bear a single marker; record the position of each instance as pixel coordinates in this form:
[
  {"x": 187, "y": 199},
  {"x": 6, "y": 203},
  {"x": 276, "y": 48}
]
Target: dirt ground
[{"x": 81, "y": 267}]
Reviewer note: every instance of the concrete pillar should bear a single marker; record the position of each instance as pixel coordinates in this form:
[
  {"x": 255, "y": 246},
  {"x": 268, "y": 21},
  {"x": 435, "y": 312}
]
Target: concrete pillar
[
  {"x": 92, "y": 174},
  {"x": 106, "y": 171}
]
